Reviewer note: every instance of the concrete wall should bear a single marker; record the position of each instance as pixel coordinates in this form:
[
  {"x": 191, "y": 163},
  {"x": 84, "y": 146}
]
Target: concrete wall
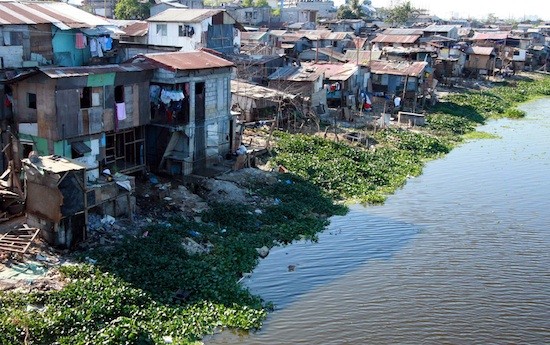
[{"x": 172, "y": 37}]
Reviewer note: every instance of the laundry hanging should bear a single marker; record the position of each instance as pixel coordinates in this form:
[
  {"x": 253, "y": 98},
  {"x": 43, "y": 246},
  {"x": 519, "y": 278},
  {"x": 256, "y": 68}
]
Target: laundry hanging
[
  {"x": 80, "y": 41},
  {"x": 121, "y": 111}
]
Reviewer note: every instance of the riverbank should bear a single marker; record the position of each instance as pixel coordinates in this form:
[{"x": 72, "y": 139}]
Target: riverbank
[{"x": 154, "y": 288}]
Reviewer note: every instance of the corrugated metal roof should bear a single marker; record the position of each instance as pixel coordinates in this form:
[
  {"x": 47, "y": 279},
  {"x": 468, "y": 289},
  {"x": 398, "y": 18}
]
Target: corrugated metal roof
[
  {"x": 137, "y": 29},
  {"x": 337, "y": 36},
  {"x": 365, "y": 56},
  {"x": 245, "y": 89},
  {"x": 60, "y": 14},
  {"x": 338, "y": 72},
  {"x": 54, "y": 164},
  {"x": 439, "y": 28},
  {"x": 295, "y": 73},
  {"x": 314, "y": 34},
  {"x": 499, "y": 35},
  {"x": 404, "y": 68},
  {"x": 331, "y": 53},
  {"x": 253, "y": 36},
  {"x": 184, "y": 15},
  {"x": 278, "y": 32},
  {"x": 402, "y": 32},
  {"x": 80, "y": 71},
  {"x": 480, "y": 50},
  {"x": 408, "y": 39},
  {"x": 186, "y": 60}
]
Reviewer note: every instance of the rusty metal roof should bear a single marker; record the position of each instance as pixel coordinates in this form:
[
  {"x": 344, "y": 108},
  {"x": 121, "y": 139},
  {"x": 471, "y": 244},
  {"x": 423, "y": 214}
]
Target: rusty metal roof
[
  {"x": 407, "y": 39},
  {"x": 80, "y": 71},
  {"x": 404, "y": 68},
  {"x": 498, "y": 35},
  {"x": 62, "y": 15},
  {"x": 184, "y": 15},
  {"x": 186, "y": 60},
  {"x": 137, "y": 29}
]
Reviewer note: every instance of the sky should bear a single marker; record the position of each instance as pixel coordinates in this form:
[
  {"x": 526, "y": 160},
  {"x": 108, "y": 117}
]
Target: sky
[{"x": 479, "y": 9}]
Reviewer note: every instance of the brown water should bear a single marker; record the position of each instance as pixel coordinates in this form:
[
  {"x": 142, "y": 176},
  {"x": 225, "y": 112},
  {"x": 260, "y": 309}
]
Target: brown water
[{"x": 460, "y": 255}]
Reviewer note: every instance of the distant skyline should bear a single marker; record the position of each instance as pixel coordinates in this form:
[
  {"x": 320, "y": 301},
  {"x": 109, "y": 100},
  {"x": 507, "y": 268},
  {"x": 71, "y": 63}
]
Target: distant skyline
[{"x": 479, "y": 9}]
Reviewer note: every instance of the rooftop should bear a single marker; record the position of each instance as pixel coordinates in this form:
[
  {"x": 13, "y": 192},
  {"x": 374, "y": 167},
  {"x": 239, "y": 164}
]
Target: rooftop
[
  {"x": 184, "y": 15},
  {"x": 185, "y": 60},
  {"x": 62, "y": 15}
]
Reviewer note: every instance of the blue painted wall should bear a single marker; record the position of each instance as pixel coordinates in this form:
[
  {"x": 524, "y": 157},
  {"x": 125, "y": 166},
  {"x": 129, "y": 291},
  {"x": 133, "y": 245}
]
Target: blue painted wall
[{"x": 64, "y": 51}]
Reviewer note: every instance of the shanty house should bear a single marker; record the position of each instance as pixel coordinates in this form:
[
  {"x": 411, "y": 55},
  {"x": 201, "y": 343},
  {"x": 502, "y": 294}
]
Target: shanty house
[
  {"x": 52, "y": 33},
  {"x": 191, "y": 121},
  {"x": 399, "y": 78},
  {"x": 397, "y": 38},
  {"x": 135, "y": 32},
  {"x": 480, "y": 60},
  {"x": 322, "y": 54},
  {"x": 306, "y": 82},
  {"x": 449, "y": 31},
  {"x": 343, "y": 83},
  {"x": 192, "y": 29},
  {"x": 93, "y": 114},
  {"x": 257, "y": 103},
  {"x": 255, "y": 68}
]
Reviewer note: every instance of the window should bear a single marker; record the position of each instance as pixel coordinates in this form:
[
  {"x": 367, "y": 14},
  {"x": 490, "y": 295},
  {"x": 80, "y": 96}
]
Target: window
[
  {"x": 31, "y": 100},
  {"x": 185, "y": 31},
  {"x": 162, "y": 29},
  {"x": 86, "y": 98},
  {"x": 13, "y": 38},
  {"x": 119, "y": 94}
]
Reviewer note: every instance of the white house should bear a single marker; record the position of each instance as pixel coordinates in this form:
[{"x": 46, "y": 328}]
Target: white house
[{"x": 192, "y": 29}]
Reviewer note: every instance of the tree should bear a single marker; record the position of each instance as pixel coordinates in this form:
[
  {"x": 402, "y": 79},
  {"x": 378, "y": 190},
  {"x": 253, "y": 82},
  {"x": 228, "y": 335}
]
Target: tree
[
  {"x": 400, "y": 14},
  {"x": 247, "y": 3},
  {"x": 261, "y": 3},
  {"x": 351, "y": 10},
  {"x": 132, "y": 9}
]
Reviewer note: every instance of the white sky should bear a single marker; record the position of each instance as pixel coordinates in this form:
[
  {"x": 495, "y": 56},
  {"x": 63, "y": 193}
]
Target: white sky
[{"x": 479, "y": 9}]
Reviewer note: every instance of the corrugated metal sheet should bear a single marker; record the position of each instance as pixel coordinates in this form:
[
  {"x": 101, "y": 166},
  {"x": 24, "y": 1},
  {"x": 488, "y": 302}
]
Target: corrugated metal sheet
[
  {"x": 439, "y": 28},
  {"x": 315, "y": 35},
  {"x": 402, "y": 32},
  {"x": 182, "y": 15},
  {"x": 407, "y": 39},
  {"x": 480, "y": 50},
  {"x": 64, "y": 72},
  {"x": 338, "y": 36},
  {"x": 365, "y": 56},
  {"x": 331, "y": 53},
  {"x": 294, "y": 73},
  {"x": 253, "y": 36},
  {"x": 278, "y": 33},
  {"x": 499, "y": 35},
  {"x": 60, "y": 14},
  {"x": 186, "y": 60},
  {"x": 337, "y": 71},
  {"x": 404, "y": 68},
  {"x": 137, "y": 29}
]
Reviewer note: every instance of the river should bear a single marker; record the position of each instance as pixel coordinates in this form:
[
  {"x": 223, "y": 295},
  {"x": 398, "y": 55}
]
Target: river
[{"x": 459, "y": 255}]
